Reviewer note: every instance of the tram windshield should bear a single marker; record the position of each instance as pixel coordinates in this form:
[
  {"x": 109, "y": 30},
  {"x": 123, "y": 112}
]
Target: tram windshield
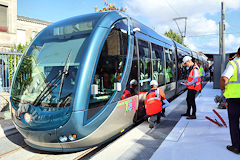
[{"x": 47, "y": 72}]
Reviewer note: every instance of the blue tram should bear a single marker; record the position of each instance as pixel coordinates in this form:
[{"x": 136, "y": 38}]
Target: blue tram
[{"x": 66, "y": 92}]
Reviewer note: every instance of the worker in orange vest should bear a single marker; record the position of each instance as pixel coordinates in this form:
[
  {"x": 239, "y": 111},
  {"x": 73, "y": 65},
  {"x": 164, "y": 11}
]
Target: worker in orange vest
[
  {"x": 131, "y": 90},
  {"x": 193, "y": 85},
  {"x": 154, "y": 101}
]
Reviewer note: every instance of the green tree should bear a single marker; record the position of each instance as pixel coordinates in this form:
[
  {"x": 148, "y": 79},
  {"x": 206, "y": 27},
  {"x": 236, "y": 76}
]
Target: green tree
[
  {"x": 13, "y": 60},
  {"x": 109, "y": 7},
  {"x": 174, "y": 36}
]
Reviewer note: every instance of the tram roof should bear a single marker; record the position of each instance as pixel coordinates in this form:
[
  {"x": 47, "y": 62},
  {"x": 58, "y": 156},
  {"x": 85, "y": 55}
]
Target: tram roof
[{"x": 112, "y": 15}]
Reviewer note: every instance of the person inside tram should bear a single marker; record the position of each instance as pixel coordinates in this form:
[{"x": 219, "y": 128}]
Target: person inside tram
[
  {"x": 130, "y": 91},
  {"x": 168, "y": 72},
  {"x": 154, "y": 101},
  {"x": 118, "y": 73}
]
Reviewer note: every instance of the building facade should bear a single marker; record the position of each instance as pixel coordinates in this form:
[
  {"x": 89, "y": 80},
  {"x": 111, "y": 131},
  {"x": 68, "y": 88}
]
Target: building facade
[{"x": 16, "y": 29}]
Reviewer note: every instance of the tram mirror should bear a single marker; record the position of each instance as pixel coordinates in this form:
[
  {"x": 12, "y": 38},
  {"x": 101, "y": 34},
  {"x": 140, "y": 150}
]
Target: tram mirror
[
  {"x": 117, "y": 86},
  {"x": 136, "y": 30},
  {"x": 94, "y": 89}
]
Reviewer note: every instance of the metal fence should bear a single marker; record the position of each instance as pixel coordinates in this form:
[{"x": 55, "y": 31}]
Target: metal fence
[
  {"x": 9, "y": 60},
  {"x": 8, "y": 65}
]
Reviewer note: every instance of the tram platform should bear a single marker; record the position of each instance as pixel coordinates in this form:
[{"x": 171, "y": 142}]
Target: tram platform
[{"x": 176, "y": 137}]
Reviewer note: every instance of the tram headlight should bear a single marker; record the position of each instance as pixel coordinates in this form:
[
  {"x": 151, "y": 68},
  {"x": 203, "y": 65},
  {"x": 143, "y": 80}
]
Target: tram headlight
[
  {"x": 63, "y": 138},
  {"x": 28, "y": 117},
  {"x": 72, "y": 137}
]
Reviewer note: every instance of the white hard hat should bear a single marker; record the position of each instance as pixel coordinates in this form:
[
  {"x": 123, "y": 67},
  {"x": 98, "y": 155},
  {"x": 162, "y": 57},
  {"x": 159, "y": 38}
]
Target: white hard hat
[
  {"x": 133, "y": 82},
  {"x": 120, "y": 64},
  {"x": 154, "y": 83},
  {"x": 186, "y": 58}
]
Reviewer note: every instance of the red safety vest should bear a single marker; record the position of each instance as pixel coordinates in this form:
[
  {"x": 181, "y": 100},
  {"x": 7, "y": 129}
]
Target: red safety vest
[
  {"x": 126, "y": 94},
  {"x": 197, "y": 85},
  {"x": 153, "y": 101}
]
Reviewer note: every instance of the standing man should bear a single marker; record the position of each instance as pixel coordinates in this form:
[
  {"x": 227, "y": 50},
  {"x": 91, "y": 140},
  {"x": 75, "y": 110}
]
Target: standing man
[
  {"x": 154, "y": 103},
  {"x": 211, "y": 72},
  {"x": 230, "y": 86},
  {"x": 193, "y": 85}
]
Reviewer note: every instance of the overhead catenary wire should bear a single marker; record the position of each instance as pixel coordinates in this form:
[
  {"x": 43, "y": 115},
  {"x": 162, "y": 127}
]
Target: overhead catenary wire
[
  {"x": 211, "y": 34},
  {"x": 172, "y": 8}
]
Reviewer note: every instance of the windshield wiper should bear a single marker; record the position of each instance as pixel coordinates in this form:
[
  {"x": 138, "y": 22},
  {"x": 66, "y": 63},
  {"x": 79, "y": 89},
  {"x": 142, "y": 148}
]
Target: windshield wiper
[
  {"x": 47, "y": 88},
  {"x": 65, "y": 72},
  {"x": 51, "y": 82}
]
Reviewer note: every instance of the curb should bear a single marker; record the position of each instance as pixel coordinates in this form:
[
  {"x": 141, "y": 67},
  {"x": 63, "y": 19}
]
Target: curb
[{"x": 8, "y": 131}]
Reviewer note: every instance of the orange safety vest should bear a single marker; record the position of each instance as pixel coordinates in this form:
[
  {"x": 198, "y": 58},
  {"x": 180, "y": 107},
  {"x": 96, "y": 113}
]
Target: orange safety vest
[
  {"x": 196, "y": 86},
  {"x": 128, "y": 93},
  {"x": 153, "y": 101}
]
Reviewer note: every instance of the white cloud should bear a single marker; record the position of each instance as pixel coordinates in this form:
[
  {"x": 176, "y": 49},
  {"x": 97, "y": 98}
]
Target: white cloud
[
  {"x": 201, "y": 25},
  {"x": 190, "y": 44},
  {"x": 211, "y": 44},
  {"x": 160, "y": 14},
  {"x": 206, "y": 45},
  {"x": 232, "y": 43},
  {"x": 232, "y": 4}
]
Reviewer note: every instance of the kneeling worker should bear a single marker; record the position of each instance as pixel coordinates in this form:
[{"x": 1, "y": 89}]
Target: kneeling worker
[
  {"x": 154, "y": 103},
  {"x": 130, "y": 91}
]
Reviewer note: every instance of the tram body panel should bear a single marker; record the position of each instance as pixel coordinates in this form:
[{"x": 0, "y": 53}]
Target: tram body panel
[
  {"x": 115, "y": 124},
  {"x": 119, "y": 120}
]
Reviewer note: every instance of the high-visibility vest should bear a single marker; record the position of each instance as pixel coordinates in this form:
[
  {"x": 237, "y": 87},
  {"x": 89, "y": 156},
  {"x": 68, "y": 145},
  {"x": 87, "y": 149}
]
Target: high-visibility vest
[
  {"x": 201, "y": 70},
  {"x": 153, "y": 101},
  {"x": 232, "y": 89},
  {"x": 128, "y": 93},
  {"x": 197, "y": 85}
]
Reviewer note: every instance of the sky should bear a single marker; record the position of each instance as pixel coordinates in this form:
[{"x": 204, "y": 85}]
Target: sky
[{"x": 203, "y": 17}]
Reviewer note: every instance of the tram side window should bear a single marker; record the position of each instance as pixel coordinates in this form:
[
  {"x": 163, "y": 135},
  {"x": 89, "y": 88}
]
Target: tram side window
[
  {"x": 145, "y": 65},
  {"x": 110, "y": 65},
  {"x": 170, "y": 66},
  {"x": 182, "y": 71},
  {"x": 134, "y": 69},
  {"x": 158, "y": 64}
]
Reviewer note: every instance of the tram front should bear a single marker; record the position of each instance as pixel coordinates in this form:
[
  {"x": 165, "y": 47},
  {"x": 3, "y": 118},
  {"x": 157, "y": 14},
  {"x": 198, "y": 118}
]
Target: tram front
[
  {"x": 53, "y": 106},
  {"x": 43, "y": 88}
]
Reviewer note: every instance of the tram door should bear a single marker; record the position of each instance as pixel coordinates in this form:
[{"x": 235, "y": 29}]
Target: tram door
[
  {"x": 135, "y": 74},
  {"x": 144, "y": 65}
]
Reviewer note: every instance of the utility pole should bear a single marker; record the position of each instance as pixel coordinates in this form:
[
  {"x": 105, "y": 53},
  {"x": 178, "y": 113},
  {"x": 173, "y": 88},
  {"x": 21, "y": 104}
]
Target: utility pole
[
  {"x": 182, "y": 33},
  {"x": 221, "y": 99},
  {"x": 222, "y": 37}
]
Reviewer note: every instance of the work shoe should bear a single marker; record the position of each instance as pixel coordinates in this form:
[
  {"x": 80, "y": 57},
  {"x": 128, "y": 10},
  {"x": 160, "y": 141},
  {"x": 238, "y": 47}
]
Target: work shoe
[
  {"x": 157, "y": 121},
  {"x": 185, "y": 114},
  {"x": 151, "y": 123},
  {"x": 233, "y": 149},
  {"x": 192, "y": 117}
]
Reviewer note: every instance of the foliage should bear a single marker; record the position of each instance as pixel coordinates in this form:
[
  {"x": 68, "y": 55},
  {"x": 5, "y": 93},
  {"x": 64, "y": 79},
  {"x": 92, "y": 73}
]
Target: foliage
[
  {"x": 109, "y": 7},
  {"x": 174, "y": 36},
  {"x": 13, "y": 60}
]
